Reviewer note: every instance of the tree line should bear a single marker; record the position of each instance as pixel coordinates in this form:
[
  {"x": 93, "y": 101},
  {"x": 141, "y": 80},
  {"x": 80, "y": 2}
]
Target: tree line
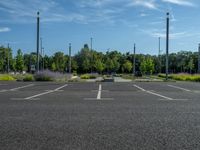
[{"x": 86, "y": 61}]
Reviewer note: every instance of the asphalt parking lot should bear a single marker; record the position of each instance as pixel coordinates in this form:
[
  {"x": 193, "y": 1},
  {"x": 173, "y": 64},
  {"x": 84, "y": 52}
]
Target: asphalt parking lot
[{"x": 99, "y": 116}]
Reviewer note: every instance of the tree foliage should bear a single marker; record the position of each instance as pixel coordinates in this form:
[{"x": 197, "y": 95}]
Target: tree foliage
[{"x": 86, "y": 61}]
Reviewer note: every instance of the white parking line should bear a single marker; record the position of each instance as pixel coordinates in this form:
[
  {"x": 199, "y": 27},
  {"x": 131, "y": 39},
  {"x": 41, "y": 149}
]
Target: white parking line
[
  {"x": 139, "y": 88},
  {"x": 17, "y": 88},
  {"x": 99, "y": 92},
  {"x": 153, "y": 93},
  {"x": 44, "y": 93},
  {"x": 180, "y": 88},
  {"x": 22, "y": 87}
]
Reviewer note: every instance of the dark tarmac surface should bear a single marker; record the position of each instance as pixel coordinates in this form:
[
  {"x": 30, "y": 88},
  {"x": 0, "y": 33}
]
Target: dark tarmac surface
[{"x": 100, "y": 116}]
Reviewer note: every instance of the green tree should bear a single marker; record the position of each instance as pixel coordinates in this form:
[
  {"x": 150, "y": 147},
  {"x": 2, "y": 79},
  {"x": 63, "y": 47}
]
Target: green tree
[
  {"x": 19, "y": 61},
  {"x": 99, "y": 66},
  {"x": 53, "y": 66},
  {"x": 60, "y": 61},
  {"x": 83, "y": 59},
  {"x": 127, "y": 66},
  {"x": 86, "y": 65},
  {"x": 191, "y": 65},
  {"x": 149, "y": 66},
  {"x": 143, "y": 65}
]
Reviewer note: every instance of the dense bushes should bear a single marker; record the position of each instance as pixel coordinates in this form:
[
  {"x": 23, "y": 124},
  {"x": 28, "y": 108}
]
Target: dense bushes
[
  {"x": 88, "y": 76},
  {"x": 51, "y": 76},
  {"x": 183, "y": 77},
  {"x": 28, "y": 77}
]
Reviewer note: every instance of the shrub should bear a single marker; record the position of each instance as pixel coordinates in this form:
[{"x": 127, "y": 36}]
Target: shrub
[
  {"x": 44, "y": 76},
  {"x": 74, "y": 73},
  {"x": 47, "y": 75},
  {"x": 6, "y": 77},
  {"x": 183, "y": 77},
  {"x": 85, "y": 76},
  {"x": 18, "y": 77},
  {"x": 88, "y": 76},
  {"x": 28, "y": 77}
]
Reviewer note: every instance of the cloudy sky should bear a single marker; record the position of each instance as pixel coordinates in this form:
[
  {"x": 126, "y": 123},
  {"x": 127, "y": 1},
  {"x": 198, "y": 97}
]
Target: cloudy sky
[{"x": 113, "y": 24}]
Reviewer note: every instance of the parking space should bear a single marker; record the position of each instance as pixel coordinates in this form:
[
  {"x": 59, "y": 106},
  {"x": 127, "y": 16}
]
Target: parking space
[
  {"x": 134, "y": 115},
  {"x": 99, "y": 91}
]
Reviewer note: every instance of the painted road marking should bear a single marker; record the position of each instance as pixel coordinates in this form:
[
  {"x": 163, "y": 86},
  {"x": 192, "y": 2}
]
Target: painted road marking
[
  {"x": 153, "y": 93},
  {"x": 139, "y": 88},
  {"x": 17, "y": 88},
  {"x": 22, "y": 87},
  {"x": 99, "y": 92},
  {"x": 92, "y": 99},
  {"x": 180, "y": 88},
  {"x": 44, "y": 93}
]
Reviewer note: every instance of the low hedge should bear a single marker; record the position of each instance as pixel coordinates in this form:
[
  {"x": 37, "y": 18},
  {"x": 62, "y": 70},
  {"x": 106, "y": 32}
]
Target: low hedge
[
  {"x": 87, "y": 76},
  {"x": 182, "y": 77},
  {"x": 6, "y": 77},
  {"x": 28, "y": 77}
]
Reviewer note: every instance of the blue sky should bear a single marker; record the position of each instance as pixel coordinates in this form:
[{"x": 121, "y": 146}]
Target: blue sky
[{"x": 113, "y": 24}]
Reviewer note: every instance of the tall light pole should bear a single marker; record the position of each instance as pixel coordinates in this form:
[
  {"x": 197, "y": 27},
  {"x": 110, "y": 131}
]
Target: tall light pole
[
  {"x": 8, "y": 67},
  {"x": 70, "y": 60},
  {"x": 41, "y": 53},
  {"x": 159, "y": 54},
  {"x": 134, "y": 68},
  {"x": 37, "y": 44},
  {"x": 167, "y": 45},
  {"x": 91, "y": 42},
  {"x": 199, "y": 59},
  {"x": 42, "y": 58}
]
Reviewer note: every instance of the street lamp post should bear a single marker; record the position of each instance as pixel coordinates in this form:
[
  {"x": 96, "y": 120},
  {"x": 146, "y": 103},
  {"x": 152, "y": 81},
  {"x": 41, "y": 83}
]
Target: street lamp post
[
  {"x": 41, "y": 48},
  {"x": 167, "y": 45},
  {"x": 43, "y": 58},
  {"x": 70, "y": 63},
  {"x": 91, "y": 42},
  {"x": 8, "y": 67},
  {"x": 199, "y": 59},
  {"x": 37, "y": 44},
  {"x": 159, "y": 55},
  {"x": 134, "y": 60}
]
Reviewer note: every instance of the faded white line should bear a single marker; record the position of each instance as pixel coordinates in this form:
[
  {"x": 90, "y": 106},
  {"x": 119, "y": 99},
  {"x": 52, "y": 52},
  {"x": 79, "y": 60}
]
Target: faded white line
[
  {"x": 22, "y": 87},
  {"x": 92, "y": 99},
  {"x": 99, "y": 92},
  {"x": 17, "y": 88},
  {"x": 180, "y": 88},
  {"x": 139, "y": 88},
  {"x": 168, "y": 98},
  {"x": 153, "y": 93},
  {"x": 44, "y": 93}
]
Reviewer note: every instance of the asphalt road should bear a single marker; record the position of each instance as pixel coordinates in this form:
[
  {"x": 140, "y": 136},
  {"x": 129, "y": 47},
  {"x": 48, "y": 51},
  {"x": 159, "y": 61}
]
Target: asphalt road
[{"x": 99, "y": 116}]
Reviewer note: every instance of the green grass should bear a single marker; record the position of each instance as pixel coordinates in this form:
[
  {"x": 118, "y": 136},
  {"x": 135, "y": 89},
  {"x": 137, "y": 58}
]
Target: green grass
[
  {"x": 6, "y": 77},
  {"x": 182, "y": 77}
]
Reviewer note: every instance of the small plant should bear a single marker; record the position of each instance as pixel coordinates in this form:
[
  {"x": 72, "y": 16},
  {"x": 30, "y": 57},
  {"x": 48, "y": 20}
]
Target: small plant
[
  {"x": 28, "y": 77},
  {"x": 87, "y": 76},
  {"x": 44, "y": 76}
]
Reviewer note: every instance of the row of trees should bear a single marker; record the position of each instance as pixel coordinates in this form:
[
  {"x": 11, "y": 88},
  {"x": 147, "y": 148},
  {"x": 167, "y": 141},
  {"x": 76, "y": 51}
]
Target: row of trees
[{"x": 87, "y": 60}]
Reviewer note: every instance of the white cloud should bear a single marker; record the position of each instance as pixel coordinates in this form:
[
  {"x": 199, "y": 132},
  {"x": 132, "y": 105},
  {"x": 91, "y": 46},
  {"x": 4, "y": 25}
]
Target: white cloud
[
  {"x": 143, "y": 15},
  {"x": 4, "y": 29},
  {"x": 180, "y": 2},
  {"x": 150, "y": 4}
]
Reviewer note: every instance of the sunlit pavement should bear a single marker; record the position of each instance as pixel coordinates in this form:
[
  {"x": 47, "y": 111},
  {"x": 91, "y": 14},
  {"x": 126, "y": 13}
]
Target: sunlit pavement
[{"x": 99, "y": 116}]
